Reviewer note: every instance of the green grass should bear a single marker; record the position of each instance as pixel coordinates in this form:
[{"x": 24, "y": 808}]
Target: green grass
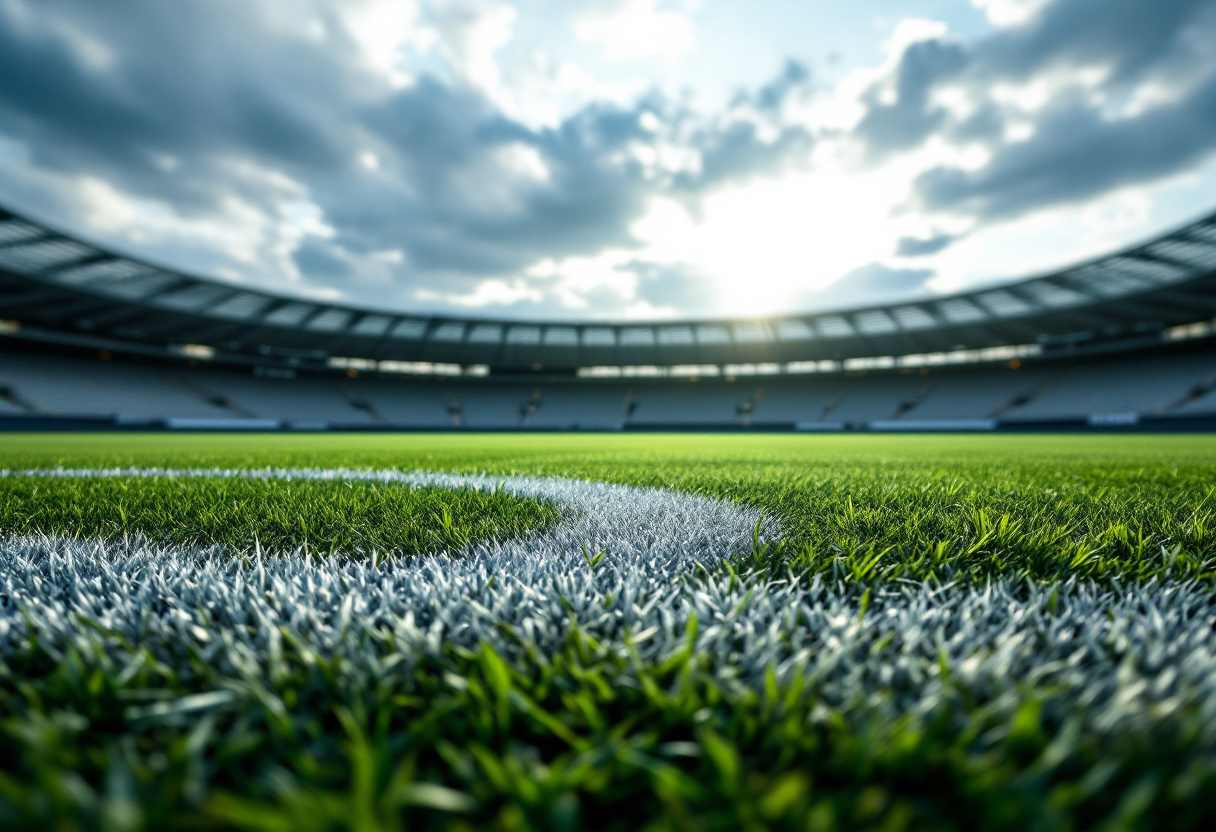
[
  {"x": 592, "y": 737},
  {"x": 323, "y": 517},
  {"x": 854, "y": 507}
]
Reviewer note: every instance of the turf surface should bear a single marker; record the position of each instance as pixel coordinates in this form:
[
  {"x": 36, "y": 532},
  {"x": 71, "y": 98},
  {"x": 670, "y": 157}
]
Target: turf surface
[
  {"x": 348, "y": 518},
  {"x": 857, "y": 507},
  {"x": 601, "y": 731}
]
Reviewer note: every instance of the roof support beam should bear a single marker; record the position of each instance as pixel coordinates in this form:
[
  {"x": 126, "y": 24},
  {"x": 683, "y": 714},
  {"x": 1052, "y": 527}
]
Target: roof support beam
[
  {"x": 53, "y": 272},
  {"x": 168, "y": 288},
  {"x": 1188, "y": 296},
  {"x": 1190, "y": 269},
  {"x": 45, "y": 237},
  {"x": 1019, "y": 292}
]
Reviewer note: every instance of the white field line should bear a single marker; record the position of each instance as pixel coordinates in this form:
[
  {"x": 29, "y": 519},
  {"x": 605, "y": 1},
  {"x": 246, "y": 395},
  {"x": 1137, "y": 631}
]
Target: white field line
[
  {"x": 1114, "y": 659},
  {"x": 668, "y": 532}
]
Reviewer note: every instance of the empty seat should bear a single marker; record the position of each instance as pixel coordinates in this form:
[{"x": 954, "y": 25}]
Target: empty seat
[{"x": 1181, "y": 384}]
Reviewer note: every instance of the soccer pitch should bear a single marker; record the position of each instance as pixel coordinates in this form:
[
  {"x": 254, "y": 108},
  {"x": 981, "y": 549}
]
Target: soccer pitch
[{"x": 736, "y": 632}]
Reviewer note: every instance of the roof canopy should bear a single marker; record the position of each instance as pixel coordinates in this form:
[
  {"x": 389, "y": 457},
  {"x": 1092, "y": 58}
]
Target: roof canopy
[{"x": 54, "y": 281}]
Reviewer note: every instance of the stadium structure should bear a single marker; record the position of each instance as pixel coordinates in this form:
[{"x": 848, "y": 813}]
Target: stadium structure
[{"x": 95, "y": 339}]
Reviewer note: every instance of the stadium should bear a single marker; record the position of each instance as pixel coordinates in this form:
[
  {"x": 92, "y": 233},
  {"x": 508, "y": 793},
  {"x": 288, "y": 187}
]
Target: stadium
[
  {"x": 90, "y": 330},
  {"x": 639, "y": 415}
]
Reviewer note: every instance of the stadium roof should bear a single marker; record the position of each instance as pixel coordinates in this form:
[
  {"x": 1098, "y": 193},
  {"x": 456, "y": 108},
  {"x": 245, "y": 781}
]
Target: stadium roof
[{"x": 60, "y": 284}]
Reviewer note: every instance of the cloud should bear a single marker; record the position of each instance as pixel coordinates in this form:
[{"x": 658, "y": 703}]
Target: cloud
[
  {"x": 274, "y": 113},
  {"x": 316, "y": 258},
  {"x": 677, "y": 288},
  {"x": 638, "y": 29},
  {"x": 793, "y": 81},
  {"x": 899, "y": 113},
  {"x": 923, "y": 246},
  {"x": 1065, "y": 101},
  {"x": 412, "y": 153},
  {"x": 752, "y": 138},
  {"x": 139, "y": 120},
  {"x": 469, "y": 33},
  {"x": 1075, "y": 155},
  {"x": 739, "y": 151},
  {"x": 1009, "y": 12},
  {"x": 871, "y": 282}
]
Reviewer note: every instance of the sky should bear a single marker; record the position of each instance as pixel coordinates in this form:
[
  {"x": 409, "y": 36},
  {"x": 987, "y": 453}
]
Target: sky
[{"x": 610, "y": 159}]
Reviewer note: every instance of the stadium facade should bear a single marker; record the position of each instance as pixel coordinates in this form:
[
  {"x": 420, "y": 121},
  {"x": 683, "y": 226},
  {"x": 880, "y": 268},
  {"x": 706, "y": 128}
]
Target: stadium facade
[{"x": 91, "y": 338}]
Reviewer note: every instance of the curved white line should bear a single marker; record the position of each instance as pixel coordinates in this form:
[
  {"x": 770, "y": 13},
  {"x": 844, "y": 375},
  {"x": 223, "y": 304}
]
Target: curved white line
[
  {"x": 1120, "y": 658},
  {"x": 667, "y": 532}
]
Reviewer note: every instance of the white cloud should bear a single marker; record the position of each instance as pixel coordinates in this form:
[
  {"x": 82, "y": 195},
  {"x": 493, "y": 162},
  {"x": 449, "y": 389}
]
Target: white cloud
[
  {"x": 470, "y": 33},
  {"x": 524, "y": 162},
  {"x": 492, "y": 292},
  {"x": 385, "y": 30},
  {"x": 574, "y": 280},
  {"x": 242, "y": 237},
  {"x": 638, "y": 29},
  {"x": 1007, "y": 13},
  {"x": 912, "y": 30}
]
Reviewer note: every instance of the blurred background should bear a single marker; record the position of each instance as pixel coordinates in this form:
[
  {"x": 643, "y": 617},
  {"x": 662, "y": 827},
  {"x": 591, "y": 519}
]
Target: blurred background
[
  {"x": 561, "y": 214},
  {"x": 615, "y": 159}
]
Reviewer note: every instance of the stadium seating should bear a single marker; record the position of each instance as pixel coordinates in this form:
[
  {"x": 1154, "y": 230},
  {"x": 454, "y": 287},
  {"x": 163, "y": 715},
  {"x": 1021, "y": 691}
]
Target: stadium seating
[
  {"x": 303, "y": 399},
  {"x": 398, "y": 402},
  {"x": 55, "y": 385},
  {"x": 491, "y": 405},
  {"x": 589, "y": 407},
  {"x": 1138, "y": 385},
  {"x": 1120, "y": 388},
  {"x": 683, "y": 402},
  {"x": 972, "y": 395}
]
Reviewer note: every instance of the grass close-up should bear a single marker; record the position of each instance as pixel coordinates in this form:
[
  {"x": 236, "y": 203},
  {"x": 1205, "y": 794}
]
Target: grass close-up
[
  {"x": 919, "y": 507},
  {"x": 894, "y": 632},
  {"x": 244, "y": 514}
]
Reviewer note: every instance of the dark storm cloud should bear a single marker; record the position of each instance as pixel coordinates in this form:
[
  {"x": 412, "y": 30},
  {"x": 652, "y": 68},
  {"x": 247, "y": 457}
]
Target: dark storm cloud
[
  {"x": 191, "y": 104},
  {"x": 1080, "y": 146}
]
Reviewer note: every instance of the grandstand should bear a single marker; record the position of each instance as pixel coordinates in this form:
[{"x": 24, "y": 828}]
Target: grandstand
[{"x": 91, "y": 338}]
